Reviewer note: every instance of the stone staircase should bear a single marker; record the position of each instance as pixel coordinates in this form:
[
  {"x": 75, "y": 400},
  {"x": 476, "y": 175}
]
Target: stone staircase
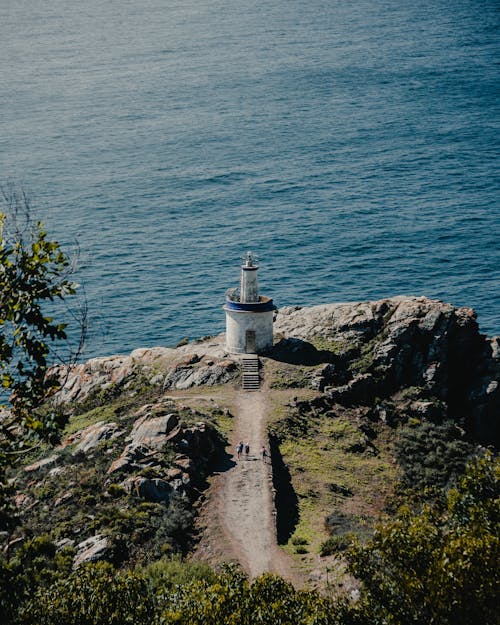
[{"x": 250, "y": 379}]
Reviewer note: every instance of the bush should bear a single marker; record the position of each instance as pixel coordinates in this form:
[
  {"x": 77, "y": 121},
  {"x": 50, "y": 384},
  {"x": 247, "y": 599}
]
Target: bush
[
  {"x": 167, "y": 573},
  {"x": 231, "y": 599},
  {"x": 35, "y": 565},
  {"x": 438, "y": 566},
  {"x": 95, "y": 594},
  {"x": 299, "y": 540},
  {"x": 116, "y": 491},
  {"x": 431, "y": 455},
  {"x": 336, "y": 544}
]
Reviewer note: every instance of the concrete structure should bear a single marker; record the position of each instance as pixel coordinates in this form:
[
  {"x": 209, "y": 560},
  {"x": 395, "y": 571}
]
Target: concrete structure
[{"x": 249, "y": 317}]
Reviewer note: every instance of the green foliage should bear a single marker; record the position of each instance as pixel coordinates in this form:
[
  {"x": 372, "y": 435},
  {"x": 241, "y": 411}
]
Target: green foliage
[
  {"x": 93, "y": 595},
  {"x": 299, "y": 540},
  {"x": 431, "y": 454},
  {"x": 34, "y": 273},
  {"x": 80, "y": 503},
  {"x": 172, "y": 592},
  {"x": 170, "y": 572},
  {"x": 289, "y": 376},
  {"x": 232, "y": 600},
  {"x": 116, "y": 491},
  {"x": 295, "y": 425},
  {"x": 345, "y": 528},
  {"x": 34, "y": 565},
  {"x": 364, "y": 363},
  {"x": 438, "y": 567},
  {"x": 336, "y": 544}
]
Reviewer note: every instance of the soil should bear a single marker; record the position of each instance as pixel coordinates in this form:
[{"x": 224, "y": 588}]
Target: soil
[{"x": 239, "y": 517}]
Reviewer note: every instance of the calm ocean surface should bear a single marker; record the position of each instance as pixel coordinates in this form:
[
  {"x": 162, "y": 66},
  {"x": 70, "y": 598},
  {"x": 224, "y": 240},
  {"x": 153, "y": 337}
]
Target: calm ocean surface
[{"x": 353, "y": 145}]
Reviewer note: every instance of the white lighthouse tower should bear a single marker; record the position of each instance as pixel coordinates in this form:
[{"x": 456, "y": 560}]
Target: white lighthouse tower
[{"x": 249, "y": 316}]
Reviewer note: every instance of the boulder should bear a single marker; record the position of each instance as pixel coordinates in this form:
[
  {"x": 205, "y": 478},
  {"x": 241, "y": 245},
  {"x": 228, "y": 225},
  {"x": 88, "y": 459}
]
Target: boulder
[
  {"x": 404, "y": 342},
  {"x": 173, "y": 474},
  {"x": 95, "y": 548},
  {"x": 360, "y": 390},
  {"x": 95, "y": 434},
  {"x": 152, "y": 431},
  {"x": 150, "y": 489},
  {"x": 154, "y": 357},
  {"x": 184, "y": 377},
  {"x": 64, "y": 543},
  {"x": 50, "y": 461},
  {"x": 63, "y": 499},
  {"x": 203, "y": 362},
  {"x": 184, "y": 463},
  {"x": 80, "y": 380},
  {"x": 22, "y": 501},
  {"x": 328, "y": 375},
  {"x": 133, "y": 457}
]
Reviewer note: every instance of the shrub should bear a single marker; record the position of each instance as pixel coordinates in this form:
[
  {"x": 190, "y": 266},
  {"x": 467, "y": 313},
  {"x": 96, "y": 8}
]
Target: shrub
[
  {"x": 116, "y": 491},
  {"x": 95, "y": 594},
  {"x": 231, "y": 599},
  {"x": 34, "y": 565},
  {"x": 438, "y": 566},
  {"x": 170, "y": 572},
  {"x": 431, "y": 455},
  {"x": 336, "y": 544},
  {"x": 299, "y": 540}
]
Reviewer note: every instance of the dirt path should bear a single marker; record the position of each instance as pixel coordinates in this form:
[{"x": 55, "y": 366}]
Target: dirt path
[
  {"x": 247, "y": 490},
  {"x": 240, "y": 517}
]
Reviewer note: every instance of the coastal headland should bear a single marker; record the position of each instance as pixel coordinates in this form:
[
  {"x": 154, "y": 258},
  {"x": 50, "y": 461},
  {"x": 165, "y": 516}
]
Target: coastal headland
[{"x": 357, "y": 401}]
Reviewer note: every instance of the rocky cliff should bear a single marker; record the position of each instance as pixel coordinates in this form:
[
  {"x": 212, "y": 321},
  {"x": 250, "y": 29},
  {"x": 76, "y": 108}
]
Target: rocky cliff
[{"x": 374, "y": 351}]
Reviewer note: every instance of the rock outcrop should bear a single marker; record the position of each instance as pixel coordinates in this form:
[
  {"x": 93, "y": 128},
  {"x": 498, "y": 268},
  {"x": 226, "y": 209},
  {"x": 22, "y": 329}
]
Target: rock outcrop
[
  {"x": 378, "y": 349},
  {"x": 96, "y": 547},
  {"x": 195, "y": 364},
  {"x": 91, "y": 437}
]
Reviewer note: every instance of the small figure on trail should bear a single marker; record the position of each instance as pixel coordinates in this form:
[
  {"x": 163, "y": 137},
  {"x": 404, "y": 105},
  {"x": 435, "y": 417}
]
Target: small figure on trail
[
  {"x": 263, "y": 453},
  {"x": 247, "y": 449},
  {"x": 239, "y": 449}
]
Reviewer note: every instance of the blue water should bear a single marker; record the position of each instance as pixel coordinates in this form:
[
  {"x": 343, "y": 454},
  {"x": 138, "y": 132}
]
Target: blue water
[{"x": 353, "y": 145}]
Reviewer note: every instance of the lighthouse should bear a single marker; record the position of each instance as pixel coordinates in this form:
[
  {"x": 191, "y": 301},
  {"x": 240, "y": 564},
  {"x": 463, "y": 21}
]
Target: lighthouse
[{"x": 249, "y": 316}]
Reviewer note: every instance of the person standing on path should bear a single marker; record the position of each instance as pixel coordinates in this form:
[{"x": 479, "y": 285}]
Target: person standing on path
[
  {"x": 247, "y": 449},
  {"x": 239, "y": 449},
  {"x": 263, "y": 453}
]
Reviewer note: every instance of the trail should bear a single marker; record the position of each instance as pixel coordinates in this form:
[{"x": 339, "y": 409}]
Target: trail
[
  {"x": 240, "y": 517},
  {"x": 247, "y": 490}
]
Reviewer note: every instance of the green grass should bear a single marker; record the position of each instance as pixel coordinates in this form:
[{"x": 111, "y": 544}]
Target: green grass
[
  {"x": 104, "y": 413},
  {"x": 286, "y": 376},
  {"x": 365, "y": 362},
  {"x": 320, "y": 459},
  {"x": 322, "y": 343},
  {"x": 223, "y": 421}
]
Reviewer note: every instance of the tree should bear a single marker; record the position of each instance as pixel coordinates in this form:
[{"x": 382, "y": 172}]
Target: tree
[
  {"x": 231, "y": 599},
  {"x": 438, "y": 566},
  {"x": 95, "y": 594},
  {"x": 34, "y": 275}
]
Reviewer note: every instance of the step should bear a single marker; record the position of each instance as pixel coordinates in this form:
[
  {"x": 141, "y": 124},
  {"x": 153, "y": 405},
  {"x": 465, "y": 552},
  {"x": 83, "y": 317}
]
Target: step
[{"x": 250, "y": 379}]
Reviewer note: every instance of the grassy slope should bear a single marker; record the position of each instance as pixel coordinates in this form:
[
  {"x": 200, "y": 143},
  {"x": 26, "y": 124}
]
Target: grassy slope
[{"x": 320, "y": 457}]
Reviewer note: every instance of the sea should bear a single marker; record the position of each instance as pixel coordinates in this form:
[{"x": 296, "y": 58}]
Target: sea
[{"x": 351, "y": 145}]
